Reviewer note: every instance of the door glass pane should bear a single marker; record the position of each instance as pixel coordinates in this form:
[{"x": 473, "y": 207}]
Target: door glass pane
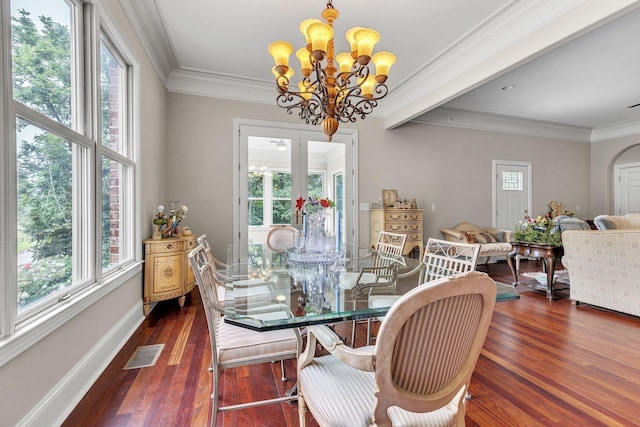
[
  {"x": 45, "y": 213},
  {"x": 316, "y": 185},
  {"x": 512, "y": 181},
  {"x": 281, "y": 189},
  {"x": 256, "y": 194},
  {"x": 338, "y": 183},
  {"x": 41, "y": 49},
  {"x": 326, "y": 165}
]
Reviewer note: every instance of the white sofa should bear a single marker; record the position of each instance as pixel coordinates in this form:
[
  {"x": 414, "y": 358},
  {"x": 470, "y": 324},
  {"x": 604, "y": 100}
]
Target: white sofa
[
  {"x": 604, "y": 268},
  {"x": 617, "y": 222},
  {"x": 492, "y": 241}
]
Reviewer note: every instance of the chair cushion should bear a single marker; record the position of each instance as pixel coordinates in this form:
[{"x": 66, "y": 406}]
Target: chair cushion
[
  {"x": 495, "y": 247},
  {"x": 345, "y": 397},
  {"x": 349, "y": 279},
  {"x": 380, "y": 301},
  {"x": 236, "y": 343}
]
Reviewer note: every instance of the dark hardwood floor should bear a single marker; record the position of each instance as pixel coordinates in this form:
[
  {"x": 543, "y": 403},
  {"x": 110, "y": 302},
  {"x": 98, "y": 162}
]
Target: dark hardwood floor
[{"x": 543, "y": 364}]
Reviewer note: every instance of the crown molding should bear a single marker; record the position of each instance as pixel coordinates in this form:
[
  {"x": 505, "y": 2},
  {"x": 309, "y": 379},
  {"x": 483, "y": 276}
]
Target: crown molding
[
  {"x": 504, "y": 124},
  {"x": 616, "y": 130},
  {"x": 221, "y": 86},
  {"x": 190, "y": 82},
  {"x": 152, "y": 36},
  {"x": 521, "y": 31}
]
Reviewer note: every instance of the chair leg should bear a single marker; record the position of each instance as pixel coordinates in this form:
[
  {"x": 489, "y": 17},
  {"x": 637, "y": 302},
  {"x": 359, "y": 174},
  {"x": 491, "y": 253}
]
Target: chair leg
[
  {"x": 284, "y": 375},
  {"x": 353, "y": 334},
  {"x": 214, "y": 397},
  {"x": 302, "y": 409}
]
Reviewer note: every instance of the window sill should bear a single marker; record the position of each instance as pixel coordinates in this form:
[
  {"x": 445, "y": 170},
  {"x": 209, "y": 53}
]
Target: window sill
[{"x": 33, "y": 331}]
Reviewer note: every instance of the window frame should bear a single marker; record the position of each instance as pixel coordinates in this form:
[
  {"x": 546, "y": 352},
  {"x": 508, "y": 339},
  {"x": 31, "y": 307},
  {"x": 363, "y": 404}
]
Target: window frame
[{"x": 91, "y": 23}]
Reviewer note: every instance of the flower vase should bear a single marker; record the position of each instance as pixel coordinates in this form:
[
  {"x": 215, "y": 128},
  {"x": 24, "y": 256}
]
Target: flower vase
[
  {"x": 157, "y": 233},
  {"x": 313, "y": 229}
]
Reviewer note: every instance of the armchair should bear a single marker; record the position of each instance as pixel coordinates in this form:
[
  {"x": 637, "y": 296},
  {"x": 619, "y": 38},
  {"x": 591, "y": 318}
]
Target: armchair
[{"x": 421, "y": 365}]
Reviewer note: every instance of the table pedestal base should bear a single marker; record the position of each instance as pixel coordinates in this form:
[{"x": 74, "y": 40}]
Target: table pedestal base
[{"x": 547, "y": 253}]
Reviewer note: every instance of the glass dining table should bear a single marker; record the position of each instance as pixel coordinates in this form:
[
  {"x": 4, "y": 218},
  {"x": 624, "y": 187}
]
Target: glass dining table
[{"x": 266, "y": 290}]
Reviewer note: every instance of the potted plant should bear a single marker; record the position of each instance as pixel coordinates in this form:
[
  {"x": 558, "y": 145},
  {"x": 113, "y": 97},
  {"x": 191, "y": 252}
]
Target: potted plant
[{"x": 541, "y": 230}]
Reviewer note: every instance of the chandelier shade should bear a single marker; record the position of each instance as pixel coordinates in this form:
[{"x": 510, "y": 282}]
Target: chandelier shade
[{"x": 326, "y": 95}]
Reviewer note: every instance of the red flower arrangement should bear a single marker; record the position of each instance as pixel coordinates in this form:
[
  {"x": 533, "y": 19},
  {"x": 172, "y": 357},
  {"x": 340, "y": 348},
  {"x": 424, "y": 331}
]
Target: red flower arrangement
[{"x": 302, "y": 203}]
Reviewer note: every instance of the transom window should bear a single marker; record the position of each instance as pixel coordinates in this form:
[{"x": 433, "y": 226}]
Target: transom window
[{"x": 512, "y": 181}]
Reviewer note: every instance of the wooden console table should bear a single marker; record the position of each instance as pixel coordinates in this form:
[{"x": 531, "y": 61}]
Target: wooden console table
[
  {"x": 548, "y": 253},
  {"x": 167, "y": 273}
]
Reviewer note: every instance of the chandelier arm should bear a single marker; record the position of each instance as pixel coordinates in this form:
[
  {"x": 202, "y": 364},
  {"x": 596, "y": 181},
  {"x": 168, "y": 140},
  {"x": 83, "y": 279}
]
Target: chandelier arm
[{"x": 328, "y": 96}]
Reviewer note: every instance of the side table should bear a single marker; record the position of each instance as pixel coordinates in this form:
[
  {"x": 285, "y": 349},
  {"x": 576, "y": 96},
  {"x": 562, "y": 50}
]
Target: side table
[{"x": 548, "y": 253}]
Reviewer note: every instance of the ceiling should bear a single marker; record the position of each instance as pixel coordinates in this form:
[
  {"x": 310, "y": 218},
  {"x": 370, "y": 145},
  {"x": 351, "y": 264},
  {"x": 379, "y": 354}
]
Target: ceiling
[{"x": 572, "y": 63}]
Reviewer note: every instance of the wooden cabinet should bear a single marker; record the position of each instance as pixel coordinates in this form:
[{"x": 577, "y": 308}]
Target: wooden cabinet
[
  {"x": 167, "y": 273},
  {"x": 402, "y": 221}
]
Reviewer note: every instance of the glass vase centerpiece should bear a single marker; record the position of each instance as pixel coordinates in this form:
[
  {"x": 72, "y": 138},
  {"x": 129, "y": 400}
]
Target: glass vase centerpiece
[
  {"x": 314, "y": 244},
  {"x": 541, "y": 231}
]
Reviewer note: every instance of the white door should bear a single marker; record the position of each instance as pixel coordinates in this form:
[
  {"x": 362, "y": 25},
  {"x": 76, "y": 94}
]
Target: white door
[
  {"x": 512, "y": 193},
  {"x": 627, "y": 188},
  {"x": 276, "y": 166}
]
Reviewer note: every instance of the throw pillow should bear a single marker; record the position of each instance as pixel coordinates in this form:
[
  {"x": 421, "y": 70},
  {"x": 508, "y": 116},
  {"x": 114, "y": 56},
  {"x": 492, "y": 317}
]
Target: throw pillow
[
  {"x": 479, "y": 236},
  {"x": 604, "y": 223},
  {"x": 499, "y": 236}
]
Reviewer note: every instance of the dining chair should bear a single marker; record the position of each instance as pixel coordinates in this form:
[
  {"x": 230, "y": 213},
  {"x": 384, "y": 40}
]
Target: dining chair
[
  {"x": 382, "y": 274},
  {"x": 442, "y": 258},
  {"x": 419, "y": 369},
  {"x": 216, "y": 264},
  {"x": 234, "y": 346},
  {"x": 281, "y": 237}
]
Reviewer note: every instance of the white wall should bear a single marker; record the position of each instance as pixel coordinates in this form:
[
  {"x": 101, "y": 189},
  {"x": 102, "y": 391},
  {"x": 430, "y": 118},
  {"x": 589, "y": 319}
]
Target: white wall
[{"x": 434, "y": 164}]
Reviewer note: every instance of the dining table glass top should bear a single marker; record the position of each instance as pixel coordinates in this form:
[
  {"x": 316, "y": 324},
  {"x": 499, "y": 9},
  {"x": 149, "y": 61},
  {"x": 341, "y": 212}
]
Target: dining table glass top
[{"x": 267, "y": 290}]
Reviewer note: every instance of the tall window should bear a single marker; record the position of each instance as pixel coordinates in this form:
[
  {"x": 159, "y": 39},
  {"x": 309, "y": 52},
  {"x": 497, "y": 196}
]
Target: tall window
[{"x": 60, "y": 212}]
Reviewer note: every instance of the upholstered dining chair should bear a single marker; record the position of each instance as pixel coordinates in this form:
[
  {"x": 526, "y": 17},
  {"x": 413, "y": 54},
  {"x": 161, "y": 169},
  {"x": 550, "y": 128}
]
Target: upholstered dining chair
[
  {"x": 441, "y": 258},
  {"x": 233, "y": 346},
  {"x": 281, "y": 237},
  {"x": 420, "y": 368},
  {"x": 381, "y": 275}
]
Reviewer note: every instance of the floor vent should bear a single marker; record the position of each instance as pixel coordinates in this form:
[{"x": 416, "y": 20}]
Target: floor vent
[{"x": 144, "y": 356}]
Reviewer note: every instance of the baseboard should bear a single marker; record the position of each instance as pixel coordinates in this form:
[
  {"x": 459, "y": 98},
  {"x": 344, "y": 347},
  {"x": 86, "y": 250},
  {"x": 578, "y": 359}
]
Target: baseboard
[{"x": 56, "y": 406}]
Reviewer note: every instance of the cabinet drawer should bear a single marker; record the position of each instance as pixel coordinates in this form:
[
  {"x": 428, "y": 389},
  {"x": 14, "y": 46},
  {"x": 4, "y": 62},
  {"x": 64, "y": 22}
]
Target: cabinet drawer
[
  {"x": 403, "y": 216},
  {"x": 414, "y": 237},
  {"x": 164, "y": 246},
  {"x": 403, "y": 226},
  {"x": 190, "y": 244}
]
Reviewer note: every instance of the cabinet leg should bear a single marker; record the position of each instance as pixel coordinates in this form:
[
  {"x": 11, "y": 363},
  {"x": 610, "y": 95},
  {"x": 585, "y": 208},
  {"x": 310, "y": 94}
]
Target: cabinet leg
[
  {"x": 181, "y": 300},
  {"x": 147, "y": 308}
]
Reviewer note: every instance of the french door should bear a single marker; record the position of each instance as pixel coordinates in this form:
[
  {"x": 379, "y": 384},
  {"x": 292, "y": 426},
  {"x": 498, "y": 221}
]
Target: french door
[{"x": 277, "y": 165}]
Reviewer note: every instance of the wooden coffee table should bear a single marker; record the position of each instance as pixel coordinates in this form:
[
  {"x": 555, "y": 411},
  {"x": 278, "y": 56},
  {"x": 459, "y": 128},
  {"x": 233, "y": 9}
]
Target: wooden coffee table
[{"x": 548, "y": 254}]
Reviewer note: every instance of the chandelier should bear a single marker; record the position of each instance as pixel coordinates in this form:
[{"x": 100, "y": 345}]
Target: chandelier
[{"x": 327, "y": 95}]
